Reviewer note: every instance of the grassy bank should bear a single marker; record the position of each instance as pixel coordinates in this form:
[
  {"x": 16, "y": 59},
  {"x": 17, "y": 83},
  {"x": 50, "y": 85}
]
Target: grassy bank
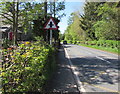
[
  {"x": 105, "y": 45},
  {"x": 108, "y": 49}
]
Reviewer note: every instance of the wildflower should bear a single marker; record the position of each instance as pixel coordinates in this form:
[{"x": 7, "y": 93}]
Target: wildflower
[
  {"x": 11, "y": 53},
  {"x": 12, "y": 56},
  {"x": 9, "y": 48},
  {"x": 27, "y": 43}
]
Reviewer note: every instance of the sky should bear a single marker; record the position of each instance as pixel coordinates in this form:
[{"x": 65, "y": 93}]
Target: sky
[{"x": 70, "y": 7}]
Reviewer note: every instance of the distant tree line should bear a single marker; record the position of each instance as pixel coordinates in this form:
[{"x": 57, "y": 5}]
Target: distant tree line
[
  {"x": 74, "y": 31},
  {"x": 99, "y": 21}
]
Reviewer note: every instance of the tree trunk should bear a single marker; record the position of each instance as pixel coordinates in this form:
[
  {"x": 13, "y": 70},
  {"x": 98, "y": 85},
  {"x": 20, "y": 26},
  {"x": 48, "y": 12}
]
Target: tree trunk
[
  {"x": 45, "y": 18},
  {"x": 17, "y": 11},
  {"x": 45, "y": 7},
  {"x": 15, "y": 21}
]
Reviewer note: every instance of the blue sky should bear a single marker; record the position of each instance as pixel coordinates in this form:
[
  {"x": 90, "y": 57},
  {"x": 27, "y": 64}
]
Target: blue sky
[{"x": 70, "y": 7}]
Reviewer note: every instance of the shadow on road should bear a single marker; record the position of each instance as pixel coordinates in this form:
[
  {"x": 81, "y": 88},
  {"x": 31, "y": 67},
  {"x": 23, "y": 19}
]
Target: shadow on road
[
  {"x": 67, "y": 46},
  {"x": 62, "y": 79},
  {"x": 96, "y": 71},
  {"x": 91, "y": 70}
]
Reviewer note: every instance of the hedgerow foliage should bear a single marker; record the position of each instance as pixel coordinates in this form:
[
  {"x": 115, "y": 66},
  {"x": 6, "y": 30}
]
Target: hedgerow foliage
[
  {"x": 104, "y": 43},
  {"x": 27, "y": 67}
]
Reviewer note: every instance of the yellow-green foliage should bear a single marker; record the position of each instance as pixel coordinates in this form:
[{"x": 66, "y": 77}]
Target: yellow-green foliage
[
  {"x": 27, "y": 67},
  {"x": 74, "y": 31}
]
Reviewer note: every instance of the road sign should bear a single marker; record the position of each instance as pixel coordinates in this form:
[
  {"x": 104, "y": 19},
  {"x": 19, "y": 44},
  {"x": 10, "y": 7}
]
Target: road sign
[{"x": 51, "y": 24}]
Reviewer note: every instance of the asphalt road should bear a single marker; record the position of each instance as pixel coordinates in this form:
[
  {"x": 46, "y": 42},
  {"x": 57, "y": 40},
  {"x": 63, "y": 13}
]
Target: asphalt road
[
  {"x": 94, "y": 70},
  {"x": 62, "y": 81}
]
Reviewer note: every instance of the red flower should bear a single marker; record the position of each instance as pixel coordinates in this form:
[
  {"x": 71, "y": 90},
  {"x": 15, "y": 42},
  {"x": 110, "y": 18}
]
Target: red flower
[{"x": 9, "y": 48}]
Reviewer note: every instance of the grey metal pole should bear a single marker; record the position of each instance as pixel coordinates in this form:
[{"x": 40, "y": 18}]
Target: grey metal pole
[
  {"x": 51, "y": 30},
  {"x": 50, "y": 37}
]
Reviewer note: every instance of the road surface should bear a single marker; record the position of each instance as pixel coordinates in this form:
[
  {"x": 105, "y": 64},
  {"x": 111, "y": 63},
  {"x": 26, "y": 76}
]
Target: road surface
[
  {"x": 62, "y": 81},
  {"x": 94, "y": 70}
]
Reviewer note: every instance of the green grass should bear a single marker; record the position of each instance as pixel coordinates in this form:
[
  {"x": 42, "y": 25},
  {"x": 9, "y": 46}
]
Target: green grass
[{"x": 108, "y": 49}]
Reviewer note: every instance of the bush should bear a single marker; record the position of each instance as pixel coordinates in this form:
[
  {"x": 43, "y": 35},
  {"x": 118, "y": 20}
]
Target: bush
[
  {"x": 26, "y": 68},
  {"x": 101, "y": 43},
  {"x": 94, "y": 42},
  {"x": 108, "y": 43},
  {"x": 82, "y": 42},
  {"x": 68, "y": 41},
  {"x": 78, "y": 42},
  {"x": 112, "y": 43}
]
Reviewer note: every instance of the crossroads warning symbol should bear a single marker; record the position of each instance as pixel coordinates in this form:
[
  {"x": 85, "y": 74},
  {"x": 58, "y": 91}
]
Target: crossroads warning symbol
[{"x": 51, "y": 24}]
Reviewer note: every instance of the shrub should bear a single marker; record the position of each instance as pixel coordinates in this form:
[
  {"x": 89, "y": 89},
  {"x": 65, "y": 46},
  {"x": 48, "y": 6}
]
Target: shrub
[
  {"x": 26, "y": 68},
  {"x": 103, "y": 43},
  {"x": 112, "y": 43}
]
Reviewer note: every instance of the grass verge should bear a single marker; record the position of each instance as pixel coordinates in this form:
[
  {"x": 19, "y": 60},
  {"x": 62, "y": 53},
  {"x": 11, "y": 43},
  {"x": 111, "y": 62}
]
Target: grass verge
[{"x": 108, "y": 49}]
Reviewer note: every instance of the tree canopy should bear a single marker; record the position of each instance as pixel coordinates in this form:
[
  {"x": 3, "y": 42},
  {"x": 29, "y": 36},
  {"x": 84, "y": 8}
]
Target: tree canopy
[
  {"x": 31, "y": 16},
  {"x": 99, "y": 21},
  {"x": 74, "y": 31}
]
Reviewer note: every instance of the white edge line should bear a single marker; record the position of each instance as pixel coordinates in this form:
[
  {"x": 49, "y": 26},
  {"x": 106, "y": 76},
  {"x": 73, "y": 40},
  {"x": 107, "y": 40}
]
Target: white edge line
[{"x": 80, "y": 86}]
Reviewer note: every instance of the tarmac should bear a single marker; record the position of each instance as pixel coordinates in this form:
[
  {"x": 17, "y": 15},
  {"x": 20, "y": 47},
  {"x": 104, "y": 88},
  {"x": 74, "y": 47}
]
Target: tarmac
[{"x": 63, "y": 79}]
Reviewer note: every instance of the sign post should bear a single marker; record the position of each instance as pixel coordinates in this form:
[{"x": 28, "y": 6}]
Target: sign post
[
  {"x": 50, "y": 37},
  {"x": 51, "y": 25}
]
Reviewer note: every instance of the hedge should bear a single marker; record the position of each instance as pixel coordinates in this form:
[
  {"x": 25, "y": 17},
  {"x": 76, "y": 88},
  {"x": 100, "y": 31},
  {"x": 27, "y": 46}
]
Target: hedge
[
  {"x": 102, "y": 43},
  {"x": 27, "y": 67}
]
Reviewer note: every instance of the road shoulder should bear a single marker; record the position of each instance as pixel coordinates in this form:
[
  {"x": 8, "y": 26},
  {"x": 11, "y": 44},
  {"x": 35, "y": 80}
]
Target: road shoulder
[{"x": 63, "y": 79}]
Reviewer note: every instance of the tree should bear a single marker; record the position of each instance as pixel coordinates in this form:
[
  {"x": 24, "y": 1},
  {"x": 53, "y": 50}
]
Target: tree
[
  {"x": 100, "y": 20},
  {"x": 62, "y": 36},
  {"x": 10, "y": 11},
  {"x": 107, "y": 27},
  {"x": 89, "y": 18},
  {"x": 57, "y": 8},
  {"x": 74, "y": 31},
  {"x": 40, "y": 22},
  {"x": 33, "y": 18},
  {"x": 30, "y": 15}
]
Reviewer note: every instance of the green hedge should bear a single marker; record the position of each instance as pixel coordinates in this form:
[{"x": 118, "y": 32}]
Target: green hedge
[
  {"x": 102, "y": 43},
  {"x": 27, "y": 67},
  {"x": 112, "y": 44}
]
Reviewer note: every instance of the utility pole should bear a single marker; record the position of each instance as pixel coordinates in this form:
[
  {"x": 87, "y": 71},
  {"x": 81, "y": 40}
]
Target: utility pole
[
  {"x": 54, "y": 8},
  {"x": 51, "y": 8},
  {"x": 54, "y": 14},
  {"x": 45, "y": 7},
  {"x": 45, "y": 17}
]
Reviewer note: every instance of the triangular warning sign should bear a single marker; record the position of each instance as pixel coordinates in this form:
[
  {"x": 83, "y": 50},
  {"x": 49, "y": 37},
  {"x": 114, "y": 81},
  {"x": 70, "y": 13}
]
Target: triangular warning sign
[{"x": 51, "y": 24}]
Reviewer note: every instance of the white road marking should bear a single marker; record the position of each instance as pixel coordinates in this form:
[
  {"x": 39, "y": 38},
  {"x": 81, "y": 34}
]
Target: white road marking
[
  {"x": 103, "y": 59},
  {"x": 76, "y": 74},
  {"x": 90, "y": 53},
  {"x": 100, "y": 58},
  {"x": 80, "y": 86}
]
